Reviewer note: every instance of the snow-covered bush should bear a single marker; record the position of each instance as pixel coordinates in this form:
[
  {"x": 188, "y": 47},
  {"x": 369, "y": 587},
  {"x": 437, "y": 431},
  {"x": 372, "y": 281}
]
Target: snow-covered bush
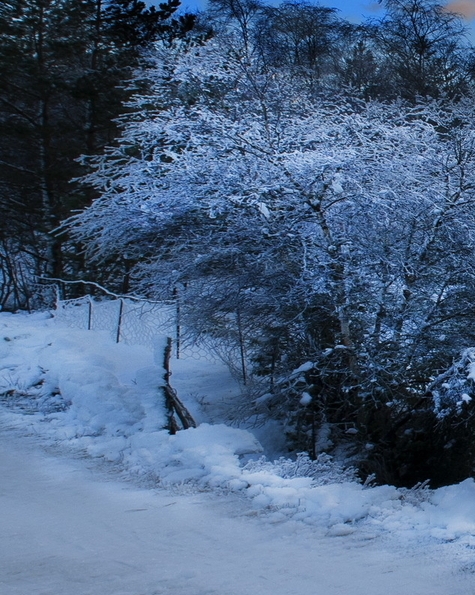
[
  {"x": 323, "y": 470},
  {"x": 454, "y": 390}
]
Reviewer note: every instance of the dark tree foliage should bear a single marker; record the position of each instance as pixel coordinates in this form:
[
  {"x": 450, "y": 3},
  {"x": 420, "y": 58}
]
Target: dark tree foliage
[
  {"x": 64, "y": 67},
  {"x": 130, "y": 23}
]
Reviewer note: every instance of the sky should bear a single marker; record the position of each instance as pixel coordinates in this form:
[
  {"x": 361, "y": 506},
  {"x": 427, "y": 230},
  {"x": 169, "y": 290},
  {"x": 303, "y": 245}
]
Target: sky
[
  {"x": 465, "y": 7},
  {"x": 355, "y": 10},
  {"x": 358, "y": 10}
]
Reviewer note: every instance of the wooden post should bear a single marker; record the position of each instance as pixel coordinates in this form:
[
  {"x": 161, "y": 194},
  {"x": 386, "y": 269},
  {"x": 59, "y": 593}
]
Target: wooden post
[
  {"x": 241, "y": 347},
  {"x": 89, "y": 314},
  {"x": 174, "y": 405},
  {"x": 313, "y": 451},
  {"x": 119, "y": 322},
  {"x": 176, "y": 295},
  {"x": 166, "y": 360},
  {"x": 57, "y": 292}
]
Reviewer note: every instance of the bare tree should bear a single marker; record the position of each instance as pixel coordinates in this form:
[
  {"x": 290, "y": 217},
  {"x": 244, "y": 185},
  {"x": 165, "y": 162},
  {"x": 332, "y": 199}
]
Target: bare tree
[{"x": 425, "y": 47}]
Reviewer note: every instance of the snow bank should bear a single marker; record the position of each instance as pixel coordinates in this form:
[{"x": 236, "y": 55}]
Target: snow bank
[
  {"x": 106, "y": 399},
  {"x": 79, "y": 389}
]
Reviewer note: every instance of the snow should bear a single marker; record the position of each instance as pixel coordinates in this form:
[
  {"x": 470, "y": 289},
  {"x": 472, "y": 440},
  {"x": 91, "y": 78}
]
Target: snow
[
  {"x": 255, "y": 524},
  {"x": 306, "y": 367},
  {"x": 69, "y": 528},
  {"x": 306, "y": 399}
]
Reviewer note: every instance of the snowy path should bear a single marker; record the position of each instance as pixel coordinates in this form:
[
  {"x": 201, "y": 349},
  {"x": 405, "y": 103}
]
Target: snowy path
[{"x": 68, "y": 528}]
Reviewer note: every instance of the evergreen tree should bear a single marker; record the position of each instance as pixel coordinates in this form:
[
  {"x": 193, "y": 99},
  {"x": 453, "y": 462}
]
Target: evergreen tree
[{"x": 64, "y": 67}]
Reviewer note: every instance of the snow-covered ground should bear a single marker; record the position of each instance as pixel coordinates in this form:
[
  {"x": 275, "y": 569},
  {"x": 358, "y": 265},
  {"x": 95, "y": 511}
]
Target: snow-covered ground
[
  {"x": 69, "y": 528},
  {"x": 125, "y": 508}
]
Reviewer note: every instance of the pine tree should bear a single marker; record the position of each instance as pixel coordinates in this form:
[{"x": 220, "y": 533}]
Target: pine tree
[{"x": 63, "y": 71}]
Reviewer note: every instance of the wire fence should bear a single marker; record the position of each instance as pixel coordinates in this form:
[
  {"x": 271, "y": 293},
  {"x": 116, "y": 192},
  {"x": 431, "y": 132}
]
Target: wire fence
[{"x": 135, "y": 322}]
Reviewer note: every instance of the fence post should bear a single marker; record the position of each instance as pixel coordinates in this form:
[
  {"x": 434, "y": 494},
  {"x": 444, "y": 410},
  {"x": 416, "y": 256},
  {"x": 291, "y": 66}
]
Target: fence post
[
  {"x": 89, "y": 313},
  {"x": 57, "y": 296},
  {"x": 241, "y": 346},
  {"x": 176, "y": 295},
  {"x": 172, "y": 423},
  {"x": 119, "y": 322}
]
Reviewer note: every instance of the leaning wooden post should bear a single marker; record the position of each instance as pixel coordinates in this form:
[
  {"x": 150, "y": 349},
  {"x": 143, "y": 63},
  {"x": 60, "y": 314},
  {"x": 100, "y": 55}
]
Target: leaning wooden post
[
  {"x": 166, "y": 360},
  {"x": 172, "y": 423},
  {"x": 174, "y": 405}
]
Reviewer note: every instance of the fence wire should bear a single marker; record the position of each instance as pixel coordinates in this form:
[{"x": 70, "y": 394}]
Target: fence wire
[{"x": 135, "y": 323}]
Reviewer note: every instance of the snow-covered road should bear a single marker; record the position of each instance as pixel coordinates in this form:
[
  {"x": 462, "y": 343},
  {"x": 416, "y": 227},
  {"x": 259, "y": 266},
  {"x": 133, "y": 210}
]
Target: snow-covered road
[{"x": 67, "y": 527}]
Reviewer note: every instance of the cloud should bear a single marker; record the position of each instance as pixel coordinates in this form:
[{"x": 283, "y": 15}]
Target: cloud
[
  {"x": 463, "y": 7},
  {"x": 375, "y": 6}
]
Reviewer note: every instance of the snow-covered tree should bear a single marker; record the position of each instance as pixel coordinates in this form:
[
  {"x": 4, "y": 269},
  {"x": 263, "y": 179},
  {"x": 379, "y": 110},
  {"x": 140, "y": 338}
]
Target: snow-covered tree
[{"x": 306, "y": 230}]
